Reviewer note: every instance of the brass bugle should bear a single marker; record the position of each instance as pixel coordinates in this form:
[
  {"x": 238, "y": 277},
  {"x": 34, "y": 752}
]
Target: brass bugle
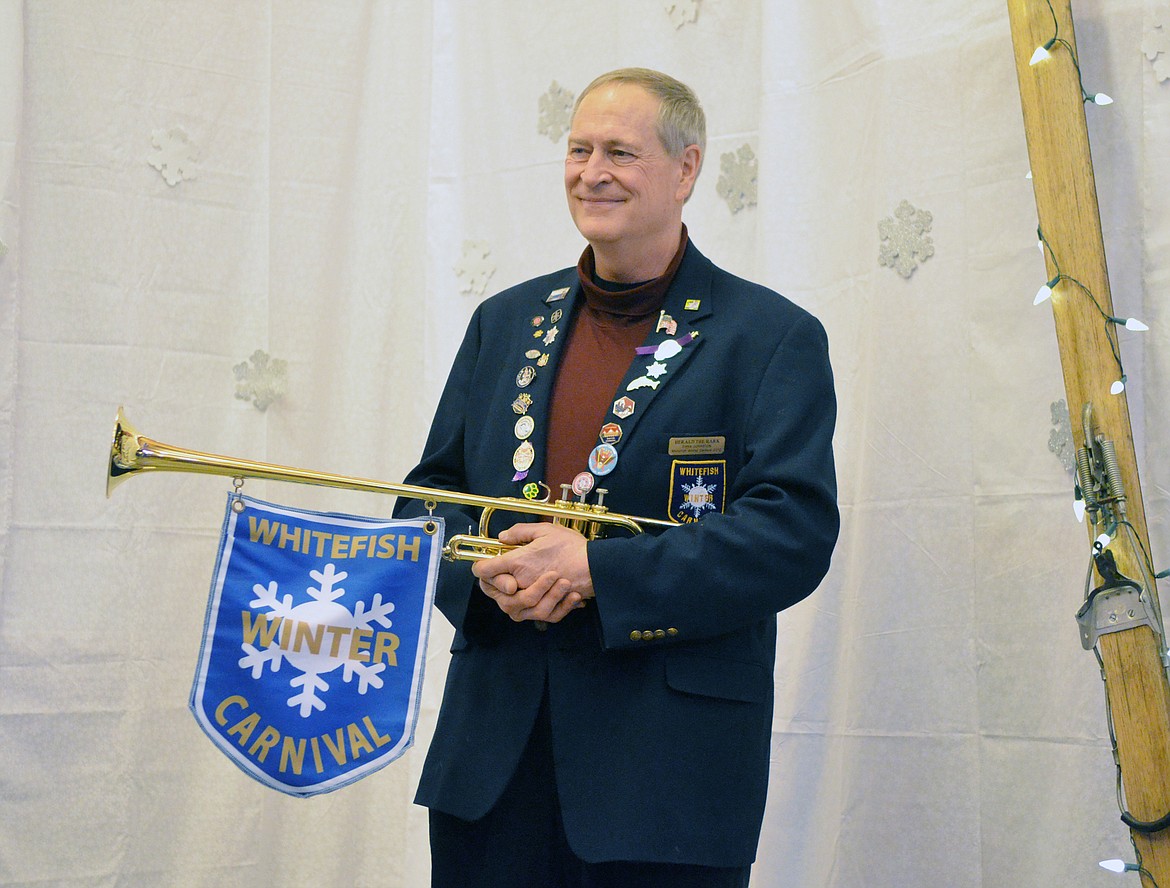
[{"x": 133, "y": 453}]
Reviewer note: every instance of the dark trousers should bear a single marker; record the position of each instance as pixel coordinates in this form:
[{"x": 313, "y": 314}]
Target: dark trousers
[{"x": 521, "y": 842}]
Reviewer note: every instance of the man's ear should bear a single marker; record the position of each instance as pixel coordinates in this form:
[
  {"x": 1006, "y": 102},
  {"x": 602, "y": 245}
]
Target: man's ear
[{"x": 690, "y": 163}]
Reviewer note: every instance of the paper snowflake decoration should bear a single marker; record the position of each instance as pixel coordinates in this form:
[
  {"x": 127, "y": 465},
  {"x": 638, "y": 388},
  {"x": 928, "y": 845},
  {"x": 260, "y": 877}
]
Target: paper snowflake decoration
[
  {"x": 261, "y": 382},
  {"x": 174, "y": 155},
  {"x": 556, "y": 112},
  {"x": 905, "y": 239},
  {"x": 1060, "y": 439},
  {"x": 1156, "y": 44},
  {"x": 737, "y": 178},
  {"x": 474, "y": 270},
  {"x": 682, "y": 11}
]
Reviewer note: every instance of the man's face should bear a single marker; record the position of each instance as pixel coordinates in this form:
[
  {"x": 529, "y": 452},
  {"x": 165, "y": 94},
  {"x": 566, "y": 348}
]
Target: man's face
[{"x": 623, "y": 188}]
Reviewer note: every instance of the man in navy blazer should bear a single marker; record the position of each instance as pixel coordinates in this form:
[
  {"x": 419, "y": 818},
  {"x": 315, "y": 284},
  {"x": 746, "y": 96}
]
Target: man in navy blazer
[{"x": 607, "y": 714}]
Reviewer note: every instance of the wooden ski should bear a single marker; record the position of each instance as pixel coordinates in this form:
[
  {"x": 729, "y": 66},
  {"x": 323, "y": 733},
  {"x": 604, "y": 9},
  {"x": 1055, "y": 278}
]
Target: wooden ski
[{"x": 1054, "y": 105}]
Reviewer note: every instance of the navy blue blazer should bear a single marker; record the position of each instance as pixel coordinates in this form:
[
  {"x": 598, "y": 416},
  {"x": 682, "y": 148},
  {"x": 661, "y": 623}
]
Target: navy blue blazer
[{"x": 660, "y": 690}]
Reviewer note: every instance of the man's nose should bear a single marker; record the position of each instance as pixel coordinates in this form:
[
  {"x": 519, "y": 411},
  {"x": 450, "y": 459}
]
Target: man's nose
[{"x": 597, "y": 169}]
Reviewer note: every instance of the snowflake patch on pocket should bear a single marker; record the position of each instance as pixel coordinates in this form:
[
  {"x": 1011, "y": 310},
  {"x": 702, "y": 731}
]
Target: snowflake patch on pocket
[{"x": 697, "y": 488}]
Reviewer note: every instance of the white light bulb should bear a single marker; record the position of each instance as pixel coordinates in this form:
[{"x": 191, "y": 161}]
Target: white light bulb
[
  {"x": 1116, "y": 866},
  {"x": 1042, "y": 294},
  {"x": 1118, "y": 387},
  {"x": 1102, "y": 99},
  {"x": 1135, "y": 324},
  {"x": 1038, "y": 56},
  {"x": 1104, "y": 540}
]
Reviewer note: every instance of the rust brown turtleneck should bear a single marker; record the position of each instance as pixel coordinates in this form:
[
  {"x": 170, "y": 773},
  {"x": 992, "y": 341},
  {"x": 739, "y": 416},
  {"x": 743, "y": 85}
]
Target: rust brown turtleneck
[{"x": 611, "y": 321}]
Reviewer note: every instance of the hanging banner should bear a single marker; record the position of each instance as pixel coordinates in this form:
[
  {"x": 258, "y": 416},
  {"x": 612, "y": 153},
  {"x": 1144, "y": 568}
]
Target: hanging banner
[{"x": 313, "y": 650}]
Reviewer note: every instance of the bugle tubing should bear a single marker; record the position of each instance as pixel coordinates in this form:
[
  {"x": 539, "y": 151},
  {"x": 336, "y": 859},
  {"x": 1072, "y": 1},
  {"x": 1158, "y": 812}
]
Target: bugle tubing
[{"x": 133, "y": 453}]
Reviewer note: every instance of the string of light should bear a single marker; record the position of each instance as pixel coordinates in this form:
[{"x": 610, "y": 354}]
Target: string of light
[
  {"x": 1111, "y": 321},
  {"x": 1043, "y": 53}
]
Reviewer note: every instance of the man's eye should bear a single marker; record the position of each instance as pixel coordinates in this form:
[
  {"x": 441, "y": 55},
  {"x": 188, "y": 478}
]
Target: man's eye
[{"x": 578, "y": 153}]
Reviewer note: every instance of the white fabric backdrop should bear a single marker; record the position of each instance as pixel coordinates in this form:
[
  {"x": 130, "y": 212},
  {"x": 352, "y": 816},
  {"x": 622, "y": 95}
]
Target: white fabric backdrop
[{"x": 937, "y": 722}]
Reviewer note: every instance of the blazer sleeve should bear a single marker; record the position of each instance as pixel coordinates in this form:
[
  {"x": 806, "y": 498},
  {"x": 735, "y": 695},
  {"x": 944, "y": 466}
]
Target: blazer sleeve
[
  {"x": 442, "y": 466},
  {"x": 772, "y": 545}
]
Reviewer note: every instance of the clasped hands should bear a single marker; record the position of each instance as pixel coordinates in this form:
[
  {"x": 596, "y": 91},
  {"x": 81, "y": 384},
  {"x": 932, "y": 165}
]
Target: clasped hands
[{"x": 545, "y": 578}]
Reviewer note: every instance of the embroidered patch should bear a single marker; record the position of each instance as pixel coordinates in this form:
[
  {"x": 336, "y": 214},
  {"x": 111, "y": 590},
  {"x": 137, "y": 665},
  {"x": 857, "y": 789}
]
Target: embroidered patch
[{"x": 696, "y": 489}]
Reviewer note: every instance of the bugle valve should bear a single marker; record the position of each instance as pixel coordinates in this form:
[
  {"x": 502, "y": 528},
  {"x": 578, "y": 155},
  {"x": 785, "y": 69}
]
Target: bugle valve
[{"x": 133, "y": 453}]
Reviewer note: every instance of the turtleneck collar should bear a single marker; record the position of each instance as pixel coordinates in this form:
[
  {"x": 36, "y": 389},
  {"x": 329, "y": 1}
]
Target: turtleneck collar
[{"x": 628, "y": 300}]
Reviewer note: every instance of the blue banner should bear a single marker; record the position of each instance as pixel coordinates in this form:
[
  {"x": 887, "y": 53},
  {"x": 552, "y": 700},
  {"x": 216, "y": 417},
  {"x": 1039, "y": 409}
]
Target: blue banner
[{"x": 313, "y": 650}]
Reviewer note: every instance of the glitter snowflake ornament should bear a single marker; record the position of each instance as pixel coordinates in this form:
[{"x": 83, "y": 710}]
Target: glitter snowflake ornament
[
  {"x": 474, "y": 269},
  {"x": 1156, "y": 44},
  {"x": 174, "y": 155},
  {"x": 905, "y": 239},
  {"x": 263, "y": 381},
  {"x": 737, "y": 178},
  {"x": 1060, "y": 439},
  {"x": 556, "y": 111},
  {"x": 682, "y": 11}
]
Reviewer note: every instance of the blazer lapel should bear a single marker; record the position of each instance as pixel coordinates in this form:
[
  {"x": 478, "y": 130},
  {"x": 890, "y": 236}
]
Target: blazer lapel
[
  {"x": 545, "y": 330},
  {"x": 668, "y": 347}
]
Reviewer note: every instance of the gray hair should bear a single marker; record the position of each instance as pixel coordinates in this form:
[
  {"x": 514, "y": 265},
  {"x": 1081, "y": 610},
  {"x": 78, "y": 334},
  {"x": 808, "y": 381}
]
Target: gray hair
[{"x": 681, "y": 121}]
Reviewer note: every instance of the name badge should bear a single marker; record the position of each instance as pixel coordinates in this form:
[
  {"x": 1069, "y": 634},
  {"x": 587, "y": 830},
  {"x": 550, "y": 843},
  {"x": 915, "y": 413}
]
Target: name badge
[{"x": 700, "y": 445}]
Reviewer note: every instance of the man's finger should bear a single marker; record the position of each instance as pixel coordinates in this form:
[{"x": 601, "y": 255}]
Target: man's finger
[{"x": 524, "y": 532}]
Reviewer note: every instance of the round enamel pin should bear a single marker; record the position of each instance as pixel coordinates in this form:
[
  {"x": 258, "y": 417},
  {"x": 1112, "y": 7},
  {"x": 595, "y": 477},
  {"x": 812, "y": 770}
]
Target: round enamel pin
[
  {"x": 610, "y": 433},
  {"x": 525, "y": 376},
  {"x": 523, "y": 458},
  {"x": 582, "y": 484},
  {"x": 603, "y": 459},
  {"x": 524, "y": 426}
]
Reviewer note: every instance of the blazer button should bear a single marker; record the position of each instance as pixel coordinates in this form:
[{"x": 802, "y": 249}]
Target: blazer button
[
  {"x": 647, "y": 635},
  {"x": 672, "y": 632},
  {"x": 635, "y": 635},
  {"x": 660, "y": 633}
]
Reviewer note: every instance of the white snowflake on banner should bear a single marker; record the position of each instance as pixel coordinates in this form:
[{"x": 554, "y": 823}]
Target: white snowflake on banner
[
  {"x": 737, "y": 178},
  {"x": 1156, "y": 44},
  {"x": 263, "y": 381},
  {"x": 174, "y": 155},
  {"x": 474, "y": 270},
  {"x": 556, "y": 111},
  {"x": 682, "y": 11},
  {"x": 1060, "y": 439},
  {"x": 280, "y": 634},
  {"x": 905, "y": 239}
]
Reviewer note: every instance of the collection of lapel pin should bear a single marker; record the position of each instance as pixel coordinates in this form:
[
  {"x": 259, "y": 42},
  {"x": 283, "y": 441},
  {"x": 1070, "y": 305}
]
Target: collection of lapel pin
[{"x": 603, "y": 459}]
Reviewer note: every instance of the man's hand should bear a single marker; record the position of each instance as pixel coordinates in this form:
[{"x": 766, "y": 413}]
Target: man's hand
[{"x": 544, "y": 579}]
